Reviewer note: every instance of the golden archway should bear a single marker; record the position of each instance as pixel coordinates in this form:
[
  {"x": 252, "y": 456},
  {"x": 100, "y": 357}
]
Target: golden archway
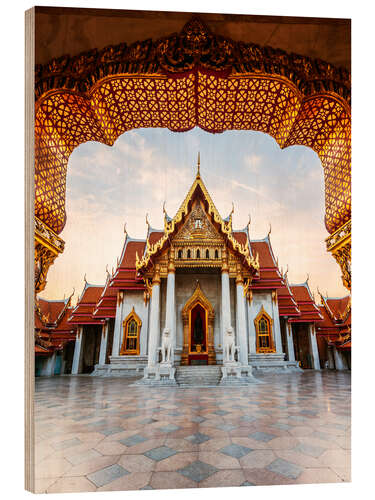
[
  {"x": 264, "y": 332},
  {"x": 193, "y": 78},
  {"x": 198, "y": 298},
  {"x": 131, "y": 328}
]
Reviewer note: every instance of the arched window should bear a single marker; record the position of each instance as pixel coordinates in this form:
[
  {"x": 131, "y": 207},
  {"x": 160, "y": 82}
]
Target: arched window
[
  {"x": 216, "y": 254},
  {"x": 207, "y": 254},
  {"x": 263, "y": 327},
  {"x": 198, "y": 254},
  {"x": 179, "y": 254},
  {"x": 188, "y": 255},
  {"x": 131, "y": 328}
]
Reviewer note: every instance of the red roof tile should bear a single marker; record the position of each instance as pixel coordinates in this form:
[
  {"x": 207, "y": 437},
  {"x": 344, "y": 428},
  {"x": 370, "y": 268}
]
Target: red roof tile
[
  {"x": 309, "y": 310},
  {"x": 129, "y": 255},
  {"x": 240, "y": 236}
]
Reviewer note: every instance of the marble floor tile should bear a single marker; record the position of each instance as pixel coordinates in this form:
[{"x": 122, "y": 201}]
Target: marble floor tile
[{"x": 287, "y": 430}]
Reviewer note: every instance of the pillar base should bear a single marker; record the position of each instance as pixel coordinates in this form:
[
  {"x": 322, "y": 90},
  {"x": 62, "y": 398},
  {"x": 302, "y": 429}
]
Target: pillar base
[
  {"x": 160, "y": 374},
  {"x": 235, "y": 374}
]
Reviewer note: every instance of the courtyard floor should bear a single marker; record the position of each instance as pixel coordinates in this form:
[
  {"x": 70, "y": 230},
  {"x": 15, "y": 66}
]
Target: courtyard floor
[{"x": 96, "y": 434}]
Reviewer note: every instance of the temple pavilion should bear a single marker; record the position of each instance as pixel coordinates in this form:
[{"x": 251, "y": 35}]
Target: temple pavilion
[{"x": 197, "y": 279}]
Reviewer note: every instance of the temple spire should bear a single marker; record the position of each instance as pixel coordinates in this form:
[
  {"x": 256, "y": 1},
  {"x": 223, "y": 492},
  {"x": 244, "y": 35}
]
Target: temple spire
[{"x": 199, "y": 165}]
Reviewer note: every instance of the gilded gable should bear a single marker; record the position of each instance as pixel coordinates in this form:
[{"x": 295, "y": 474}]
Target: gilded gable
[{"x": 197, "y": 227}]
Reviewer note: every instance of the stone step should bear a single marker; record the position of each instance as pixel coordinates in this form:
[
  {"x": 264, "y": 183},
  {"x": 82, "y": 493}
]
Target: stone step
[{"x": 187, "y": 376}]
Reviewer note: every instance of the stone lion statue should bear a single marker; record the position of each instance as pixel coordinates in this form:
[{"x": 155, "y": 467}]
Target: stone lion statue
[
  {"x": 166, "y": 346},
  {"x": 229, "y": 345}
]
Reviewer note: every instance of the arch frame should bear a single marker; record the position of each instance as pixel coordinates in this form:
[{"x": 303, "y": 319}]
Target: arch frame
[
  {"x": 198, "y": 298},
  {"x": 263, "y": 314},
  {"x": 131, "y": 316}
]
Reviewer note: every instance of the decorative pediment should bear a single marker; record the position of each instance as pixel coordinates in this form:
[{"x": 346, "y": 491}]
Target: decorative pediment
[
  {"x": 197, "y": 203},
  {"x": 197, "y": 227}
]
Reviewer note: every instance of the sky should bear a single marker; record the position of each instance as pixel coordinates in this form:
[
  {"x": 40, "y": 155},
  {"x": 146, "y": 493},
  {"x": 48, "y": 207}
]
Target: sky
[{"x": 108, "y": 186}]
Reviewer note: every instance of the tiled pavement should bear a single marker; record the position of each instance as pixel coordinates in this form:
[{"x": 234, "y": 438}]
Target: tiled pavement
[{"x": 103, "y": 434}]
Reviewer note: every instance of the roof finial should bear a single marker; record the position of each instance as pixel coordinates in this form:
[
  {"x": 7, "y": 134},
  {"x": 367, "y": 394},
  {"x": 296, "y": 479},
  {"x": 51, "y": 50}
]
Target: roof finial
[
  {"x": 106, "y": 270},
  {"x": 307, "y": 279},
  {"x": 270, "y": 230},
  {"x": 249, "y": 222},
  {"x": 147, "y": 221},
  {"x": 125, "y": 231},
  {"x": 232, "y": 211},
  {"x": 199, "y": 165},
  {"x": 84, "y": 278},
  {"x": 287, "y": 269},
  {"x": 164, "y": 211}
]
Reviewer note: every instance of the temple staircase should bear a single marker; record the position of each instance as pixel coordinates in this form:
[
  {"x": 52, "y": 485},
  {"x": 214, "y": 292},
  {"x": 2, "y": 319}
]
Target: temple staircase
[{"x": 198, "y": 376}]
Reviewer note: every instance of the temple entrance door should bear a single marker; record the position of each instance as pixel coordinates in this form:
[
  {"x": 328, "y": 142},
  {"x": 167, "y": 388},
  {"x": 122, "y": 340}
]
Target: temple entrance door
[
  {"x": 198, "y": 317},
  {"x": 198, "y": 354}
]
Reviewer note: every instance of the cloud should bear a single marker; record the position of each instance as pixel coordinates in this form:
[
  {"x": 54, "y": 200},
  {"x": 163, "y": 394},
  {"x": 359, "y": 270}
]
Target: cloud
[{"x": 107, "y": 186}]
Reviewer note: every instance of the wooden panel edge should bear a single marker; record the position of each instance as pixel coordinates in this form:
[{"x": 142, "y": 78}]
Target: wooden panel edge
[{"x": 29, "y": 250}]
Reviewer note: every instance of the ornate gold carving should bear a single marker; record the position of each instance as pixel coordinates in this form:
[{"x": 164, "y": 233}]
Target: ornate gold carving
[
  {"x": 248, "y": 293},
  {"x": 194, "y": 47},
  {"x": 47, "y": 247},
  {"x": 131, "y": 316},
  {"x": 147, "y": 294},
  {"x": 198, "y": 297},
  {"x": 156, "y": 277},
  {"x": 263, "y": 314},
  {"x": 171, "y": 226},
  {"x": 339, "y": 245}
]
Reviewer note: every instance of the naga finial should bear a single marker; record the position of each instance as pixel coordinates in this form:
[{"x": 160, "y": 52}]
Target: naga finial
[
  {"x": 270, "y": 230},
  {"x": 249, "y": 221},
  {"x": 125, "y": 231},
  {"x": 199, "y": 165},
  {"x": 147, "y": 221},
  {"x": 287, "y": 269},
  {"x": 84, "y": 278},
  {"x": 307, "y": 279}
]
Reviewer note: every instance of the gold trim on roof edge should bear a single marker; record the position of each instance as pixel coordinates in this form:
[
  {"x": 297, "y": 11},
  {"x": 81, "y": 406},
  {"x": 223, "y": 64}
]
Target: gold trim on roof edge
[{"x": 170, "y": 226}]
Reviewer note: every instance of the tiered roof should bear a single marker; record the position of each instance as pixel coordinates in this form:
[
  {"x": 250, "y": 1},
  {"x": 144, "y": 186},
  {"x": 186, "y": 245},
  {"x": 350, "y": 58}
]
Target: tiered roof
[
  {"x": 159, "y": 241},
  {"x": 82, "y": 314},
  {"x": 306, "y": 304},
  {"x": 336, "y": 324},
  {"x": 287, "y": 303},
  {"x": 98, "y": 303},
  {"x": 269, "y": 276},
  {"x": 52, "y": 330}
]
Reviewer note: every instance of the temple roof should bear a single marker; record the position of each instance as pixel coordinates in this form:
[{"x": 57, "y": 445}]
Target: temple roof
[
  {"x": 269, "y": 276},
  {"x": 52, "y": 330},
  {"x": 83, "y": 312},
  {"x": 306, "y": 304},
  {"x": 336, "y": 324},
  {"x": 287, "y": 304},
  {"x": 158, "y": 241}
]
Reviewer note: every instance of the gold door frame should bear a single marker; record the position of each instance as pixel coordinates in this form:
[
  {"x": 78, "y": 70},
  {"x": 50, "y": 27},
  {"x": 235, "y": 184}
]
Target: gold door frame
[{"x": 198, "y": 297}]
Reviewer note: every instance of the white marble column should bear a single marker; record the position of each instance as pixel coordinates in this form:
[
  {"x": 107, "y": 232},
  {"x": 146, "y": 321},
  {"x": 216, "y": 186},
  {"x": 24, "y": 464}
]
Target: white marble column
[
  {"x": 118, "y": 325},
  {"x": 50, "y": 365},
  {"x": 251, "y": 314},
  {"x": 289, "y": 341},
  {"x": 340, "y": 362},
  {"x": 225, "y": 297},
  {"x": 154, "y": 333},
  {"x": 314, "y": 346},
  {"x": 171, "y": 302},
  {"x": 276, "y": 324},
  {"x": 241, "y": 321},
  {"x": 331, "y": 361},
  {"x": 78, "y": 351},
  {"x": 103, "y": 344}
]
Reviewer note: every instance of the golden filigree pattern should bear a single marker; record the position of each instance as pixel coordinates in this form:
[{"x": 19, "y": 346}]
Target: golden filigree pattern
[{"x": 247, "y": 102}]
